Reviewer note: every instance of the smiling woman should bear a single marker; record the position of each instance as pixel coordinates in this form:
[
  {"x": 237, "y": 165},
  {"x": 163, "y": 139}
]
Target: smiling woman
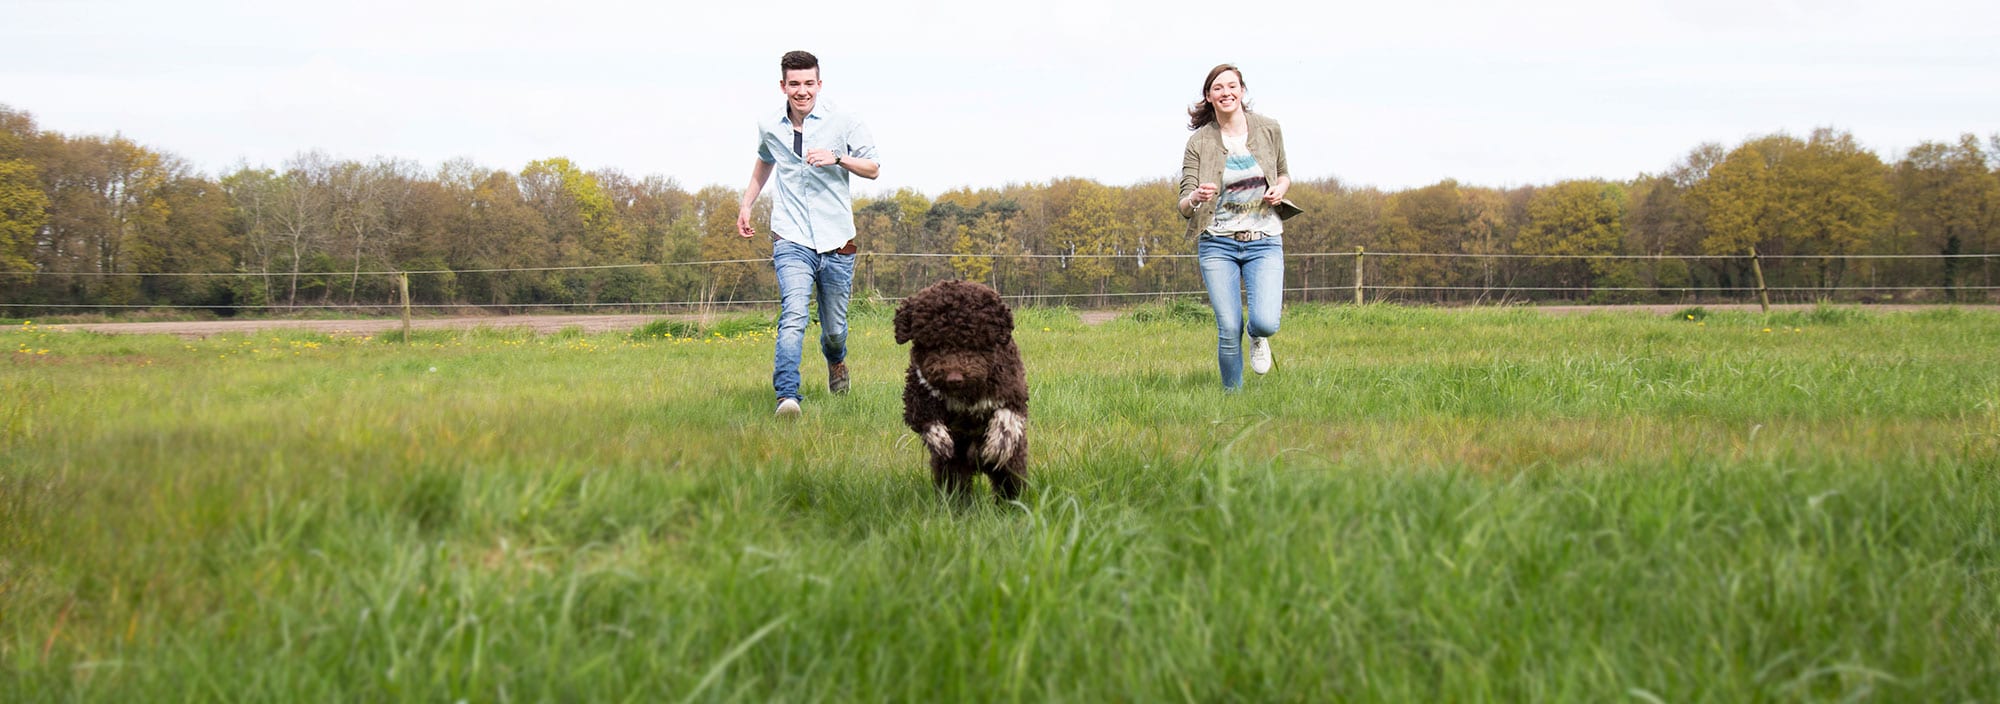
[{"x": 1233, "y": 183}]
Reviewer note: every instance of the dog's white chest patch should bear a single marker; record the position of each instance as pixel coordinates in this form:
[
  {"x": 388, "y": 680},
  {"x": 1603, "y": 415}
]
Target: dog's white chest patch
[{"x": 981, "y": 407}]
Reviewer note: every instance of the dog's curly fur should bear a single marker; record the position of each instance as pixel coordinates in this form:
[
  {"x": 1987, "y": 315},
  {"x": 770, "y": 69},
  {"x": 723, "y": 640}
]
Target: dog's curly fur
[{"x": 966, "y": 391}]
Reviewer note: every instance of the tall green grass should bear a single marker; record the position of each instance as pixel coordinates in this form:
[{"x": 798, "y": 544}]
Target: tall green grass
[{"x": 1417, "y": 505}]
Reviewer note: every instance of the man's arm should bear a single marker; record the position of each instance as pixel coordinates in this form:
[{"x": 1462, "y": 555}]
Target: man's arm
[
  {"x": 860, "y": 157},
  {"x": 759, "y": 173},
  {"x": 865, "y": 168},
  {"x": 859, "y": 166}
]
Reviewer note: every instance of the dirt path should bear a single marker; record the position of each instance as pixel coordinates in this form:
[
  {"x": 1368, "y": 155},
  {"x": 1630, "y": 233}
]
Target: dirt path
[
  {"x": 537, "y": 323},
  {"x": 626, "y": 322},
  {"x": 1670, "y": 308}
]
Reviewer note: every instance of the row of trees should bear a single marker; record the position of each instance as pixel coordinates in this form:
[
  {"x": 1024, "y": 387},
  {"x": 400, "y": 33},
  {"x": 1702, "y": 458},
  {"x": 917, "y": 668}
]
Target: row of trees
[{"x": 80, "y": 216}]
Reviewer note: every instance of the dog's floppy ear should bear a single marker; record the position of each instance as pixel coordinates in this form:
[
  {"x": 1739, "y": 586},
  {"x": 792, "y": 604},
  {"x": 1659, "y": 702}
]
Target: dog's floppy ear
[{"x": 903, "y": 322}]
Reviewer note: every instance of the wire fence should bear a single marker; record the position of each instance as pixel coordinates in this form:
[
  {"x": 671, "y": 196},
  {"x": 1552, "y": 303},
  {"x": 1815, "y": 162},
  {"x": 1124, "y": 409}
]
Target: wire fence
[{"x": 1082, "y": 279}]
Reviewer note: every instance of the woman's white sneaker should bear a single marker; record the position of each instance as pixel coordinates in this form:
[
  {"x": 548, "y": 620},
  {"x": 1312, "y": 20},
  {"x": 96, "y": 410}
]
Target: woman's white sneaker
[{"x": 1260, "y": 354}]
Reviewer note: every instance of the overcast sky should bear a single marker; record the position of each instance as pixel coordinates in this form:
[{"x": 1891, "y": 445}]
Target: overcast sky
[{"x": 1390, "y": 94}]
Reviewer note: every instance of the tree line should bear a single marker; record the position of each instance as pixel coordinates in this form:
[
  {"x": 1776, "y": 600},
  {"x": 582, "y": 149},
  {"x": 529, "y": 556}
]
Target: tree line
[{"x": 82, "y": 216}]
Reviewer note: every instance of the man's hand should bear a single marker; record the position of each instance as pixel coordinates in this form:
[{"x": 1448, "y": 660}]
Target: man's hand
[
  {"x": 743, "y": 226},
  {"x": 821, "y": 157}
]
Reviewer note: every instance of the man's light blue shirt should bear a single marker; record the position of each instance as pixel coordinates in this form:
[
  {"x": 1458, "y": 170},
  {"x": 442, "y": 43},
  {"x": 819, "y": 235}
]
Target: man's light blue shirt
[{"x": 811, "y": 204}]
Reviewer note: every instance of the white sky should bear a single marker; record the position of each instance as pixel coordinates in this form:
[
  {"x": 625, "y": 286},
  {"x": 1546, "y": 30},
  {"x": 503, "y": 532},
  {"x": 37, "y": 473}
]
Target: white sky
[{"x": 1391, "y": 94}]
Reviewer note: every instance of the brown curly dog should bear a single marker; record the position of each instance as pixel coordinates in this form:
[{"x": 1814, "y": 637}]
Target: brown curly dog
[{"x": 966, "y": 392}]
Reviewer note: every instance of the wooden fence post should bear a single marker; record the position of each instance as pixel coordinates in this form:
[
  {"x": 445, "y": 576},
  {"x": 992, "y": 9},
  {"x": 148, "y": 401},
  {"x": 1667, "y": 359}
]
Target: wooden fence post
[
  {"x": 1358, "y": 253},
  {"x": 403, "y": 284},
  {"x": 1763, "y": 294}
]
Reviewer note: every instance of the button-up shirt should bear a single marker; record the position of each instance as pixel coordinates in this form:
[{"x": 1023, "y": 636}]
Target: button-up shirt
[{"x": 810, "y": 204}]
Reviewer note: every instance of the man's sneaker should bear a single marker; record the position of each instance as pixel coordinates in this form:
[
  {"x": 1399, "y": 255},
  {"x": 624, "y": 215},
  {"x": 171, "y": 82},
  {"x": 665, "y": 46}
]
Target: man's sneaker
[
  {"x": 789, "y": 408},
  {"x": 1260, "y": 354},
  {"x": 836, "y": 378}
]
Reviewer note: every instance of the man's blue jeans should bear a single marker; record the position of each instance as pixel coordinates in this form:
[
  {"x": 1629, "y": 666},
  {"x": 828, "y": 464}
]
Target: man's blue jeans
[
  {"x": 1232, "y": 271},
  {"x": 804, "y": 274}
]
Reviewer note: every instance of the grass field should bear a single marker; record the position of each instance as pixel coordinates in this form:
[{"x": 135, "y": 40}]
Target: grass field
[{"x": 1417, "y": 505}]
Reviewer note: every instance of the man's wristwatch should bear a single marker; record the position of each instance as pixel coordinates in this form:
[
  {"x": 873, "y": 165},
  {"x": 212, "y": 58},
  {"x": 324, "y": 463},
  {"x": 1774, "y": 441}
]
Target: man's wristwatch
[{"x": 836, "y": 160}]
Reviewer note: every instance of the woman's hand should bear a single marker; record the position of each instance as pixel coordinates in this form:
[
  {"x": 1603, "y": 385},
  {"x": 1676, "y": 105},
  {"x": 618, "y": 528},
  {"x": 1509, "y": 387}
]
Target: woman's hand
[
  {"x": 1276, "y": 191},
  {"x": 1202, "y": 194}
]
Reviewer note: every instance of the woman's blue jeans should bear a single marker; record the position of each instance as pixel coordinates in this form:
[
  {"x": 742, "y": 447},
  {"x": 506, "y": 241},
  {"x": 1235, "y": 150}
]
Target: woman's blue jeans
[
  {"x": 804, "y": 274},
  {"x": 1233, "y": 271}
]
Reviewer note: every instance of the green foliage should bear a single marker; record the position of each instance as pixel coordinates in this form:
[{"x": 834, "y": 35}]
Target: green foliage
[
  {"x": 1742, "y": 196},
  {"x": 432, "y": 500},
  {"x": 666, "y": 328},
  {"x": 23, "y": 211},
  {"x": 323, "y": 232},
  {"x": 1617, "y": 282},
  {"x": 1420, "y": 504},
  {"x": 1574, "y": 218},
  {"x": 1672, "y": 274},
  {"x": 1583, "y": 219},
  {"x": 422, "y": 336},
  {"x": 502, "y": 335},
  {"x": 439, "y": 287},
  {"x": 1847, "y": 203},
  {"x": 579, "y": 214},
  {"x": 739, "y": 325},
  {"x": 1088, "y": 227},
  {"x": 972, "y": 242},
  {"x": 1047, "y": 319},
  {"x": 1179, "y": 309},
  {"x": 1779, "y": 193},
  {"x": 1427, "y": 219},
  {"x": 1948, "y": 201},
  {"x": 869, "y": 305},
  {"x": 1821, "y": 314}
]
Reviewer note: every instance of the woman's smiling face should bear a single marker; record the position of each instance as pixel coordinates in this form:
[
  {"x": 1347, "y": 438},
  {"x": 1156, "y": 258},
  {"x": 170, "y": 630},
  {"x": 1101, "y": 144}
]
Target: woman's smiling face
[{"x": 1226, "y": 92}]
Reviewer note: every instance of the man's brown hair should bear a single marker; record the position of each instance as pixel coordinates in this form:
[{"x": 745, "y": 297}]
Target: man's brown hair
[{"x": 797, "y": 61}]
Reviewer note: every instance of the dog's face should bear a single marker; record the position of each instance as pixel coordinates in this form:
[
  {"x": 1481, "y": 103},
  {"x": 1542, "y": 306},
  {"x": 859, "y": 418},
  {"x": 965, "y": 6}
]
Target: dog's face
[{"x": 957, "y": 330}]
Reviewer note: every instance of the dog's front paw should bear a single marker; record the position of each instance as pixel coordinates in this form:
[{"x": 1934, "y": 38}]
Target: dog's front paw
[
  {"x": 938, "y": 439},
  {"x": 1003, "y": 436}
]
